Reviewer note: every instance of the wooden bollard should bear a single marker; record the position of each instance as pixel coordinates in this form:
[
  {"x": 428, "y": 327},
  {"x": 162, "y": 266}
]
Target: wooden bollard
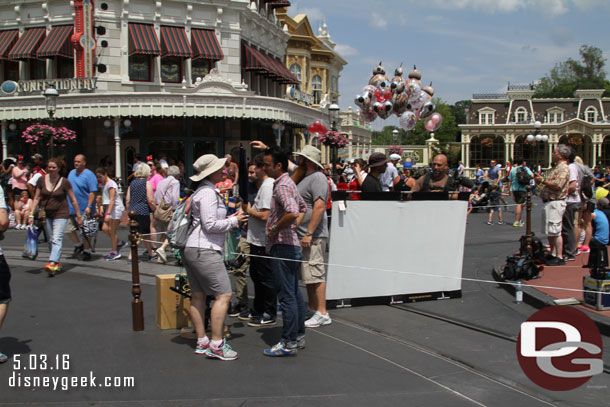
[
  {"x": 137, "y": 306},
  {"x": 529, "y": 237}
]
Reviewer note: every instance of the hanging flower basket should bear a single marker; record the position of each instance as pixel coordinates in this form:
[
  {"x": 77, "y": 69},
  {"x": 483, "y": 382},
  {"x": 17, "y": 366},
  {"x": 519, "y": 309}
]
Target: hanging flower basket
[
  {"x": 575, "y": 140},
  {"x": 487, "y": 142},
  {"x": 333, "y": 139},
  {"x": 45, "y": 134},
  {"x": 395, "y": 150}
]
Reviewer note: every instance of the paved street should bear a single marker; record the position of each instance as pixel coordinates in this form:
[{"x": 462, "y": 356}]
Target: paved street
[{"x": 374, "y": 354}]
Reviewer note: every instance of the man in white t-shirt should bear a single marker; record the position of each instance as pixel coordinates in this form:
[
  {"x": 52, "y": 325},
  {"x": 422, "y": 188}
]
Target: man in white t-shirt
[
  {"x": 264, "y": 308},
  {"x": 390, "y": 174},
  {"x": 573, "y": 204}
]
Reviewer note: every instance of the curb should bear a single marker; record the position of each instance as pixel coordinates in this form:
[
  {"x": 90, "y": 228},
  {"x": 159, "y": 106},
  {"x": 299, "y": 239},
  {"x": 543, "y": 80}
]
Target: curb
[{"x": 539, "y": 300}]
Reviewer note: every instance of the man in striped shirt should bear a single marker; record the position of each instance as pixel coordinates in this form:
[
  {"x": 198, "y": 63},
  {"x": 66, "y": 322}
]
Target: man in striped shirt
[{"x": 283, "y": 244}]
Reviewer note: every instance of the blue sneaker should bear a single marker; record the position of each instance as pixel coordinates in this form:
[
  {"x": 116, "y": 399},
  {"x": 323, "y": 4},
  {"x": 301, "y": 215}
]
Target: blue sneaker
[
  {"x": 223, "y": 352},
  {"x": 121, "y": 244},
  {"x": 280, "y": 349}
]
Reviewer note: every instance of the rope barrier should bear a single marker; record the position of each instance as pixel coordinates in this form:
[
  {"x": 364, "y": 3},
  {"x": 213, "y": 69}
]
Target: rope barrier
[{"x": 418, "y": 274}]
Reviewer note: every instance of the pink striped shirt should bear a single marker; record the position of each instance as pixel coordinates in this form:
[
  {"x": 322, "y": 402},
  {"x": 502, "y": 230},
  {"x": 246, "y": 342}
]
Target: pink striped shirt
[{"x": 286, "y": 199}]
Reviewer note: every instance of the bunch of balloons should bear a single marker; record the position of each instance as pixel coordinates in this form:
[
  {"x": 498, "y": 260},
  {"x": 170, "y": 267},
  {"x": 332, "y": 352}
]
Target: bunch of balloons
[
  {"x": 317, "y": 127},
  {"x": 406, "y": 98}
]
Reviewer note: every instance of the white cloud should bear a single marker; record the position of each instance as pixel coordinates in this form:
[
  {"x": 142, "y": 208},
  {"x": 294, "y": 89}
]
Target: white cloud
[
  {"x": 313, "y": 14},
  {"x": 562, "y": 35},
  {"x": 434, "y": 18},
  {"x": 346, "y": 50},
  {"x": 548, "y": 7},
  {"x": 378, "y": 21}
]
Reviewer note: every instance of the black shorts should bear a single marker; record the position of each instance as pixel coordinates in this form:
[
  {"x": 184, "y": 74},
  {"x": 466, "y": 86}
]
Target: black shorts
[
  {"x": 519, "y": 196},
  {"x": 5, "y": 278},
  {"x": 17, "y": 192},
  {"x": 143, "y": 224}
]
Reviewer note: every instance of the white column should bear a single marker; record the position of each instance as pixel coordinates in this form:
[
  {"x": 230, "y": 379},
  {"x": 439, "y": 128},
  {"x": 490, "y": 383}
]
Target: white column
[
  {"x": 349, "y": 149},
  {"x": 117, "y": 147},
  {"x": 4, "y": 141}
]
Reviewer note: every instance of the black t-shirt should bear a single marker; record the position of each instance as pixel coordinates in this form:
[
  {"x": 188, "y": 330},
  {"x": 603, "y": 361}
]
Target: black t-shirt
[{"x": 371, "y": 184}]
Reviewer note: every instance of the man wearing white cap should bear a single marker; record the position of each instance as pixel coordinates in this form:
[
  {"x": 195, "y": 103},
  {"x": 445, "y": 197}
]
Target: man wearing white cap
[
  {"x": 390, "y": 177},
  {"x": 313, "y": 233}
]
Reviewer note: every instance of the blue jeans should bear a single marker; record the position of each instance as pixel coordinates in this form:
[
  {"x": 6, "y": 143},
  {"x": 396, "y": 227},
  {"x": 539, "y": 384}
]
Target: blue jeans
[
  {"x": 286, "y": 275},
  {"x": 55, "y": 228}
]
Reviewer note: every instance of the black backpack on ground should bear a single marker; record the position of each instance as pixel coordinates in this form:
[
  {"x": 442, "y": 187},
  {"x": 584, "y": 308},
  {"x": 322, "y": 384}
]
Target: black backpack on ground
[
  {"x": 519, "y": 267},
  {"x": 523, "y": 177},
  {"x": 537, "y": 247}
]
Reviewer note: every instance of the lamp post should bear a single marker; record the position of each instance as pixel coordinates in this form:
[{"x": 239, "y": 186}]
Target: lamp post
[
  {"x": 333, "y": 111},
  {"x": 537, "y": 138},
  {"x": 278, "y": 129},
  {"x": 50, "y": 96},
  {"x": 118, "y": 132},
  {"x": 395, "y": 135}
]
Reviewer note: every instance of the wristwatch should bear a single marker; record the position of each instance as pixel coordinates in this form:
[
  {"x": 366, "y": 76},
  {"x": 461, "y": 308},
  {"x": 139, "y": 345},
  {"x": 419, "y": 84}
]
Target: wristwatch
[{"x": 308, "y": 234}]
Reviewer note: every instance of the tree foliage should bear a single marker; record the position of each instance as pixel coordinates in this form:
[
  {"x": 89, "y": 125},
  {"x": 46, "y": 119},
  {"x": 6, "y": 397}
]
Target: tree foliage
[{"x": 565, "y": 77}]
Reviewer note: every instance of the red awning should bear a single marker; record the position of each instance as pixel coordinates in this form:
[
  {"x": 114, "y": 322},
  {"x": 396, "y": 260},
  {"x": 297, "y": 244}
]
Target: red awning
[
  {"x": 28, "y": 44},
  {"x": 143, "y": 40},
  {"x": 254, "y": 60},
  {"x": 205, "y": 45},
  {"x": 57, "y": 43},
  {"x": 174, "y": 42},
  {"x": 7, "y": 41},
  {"x": 285, "y": 72}
]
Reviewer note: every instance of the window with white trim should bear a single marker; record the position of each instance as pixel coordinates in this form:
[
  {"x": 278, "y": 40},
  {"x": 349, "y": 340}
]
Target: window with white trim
[
  {"x": 296, "y": 70},
  {"x": 316, "y": 85},
  {"x": 591, "y": 114},
  {"x": 486, "y": 116},
  {"x": 520, "y": 115}
]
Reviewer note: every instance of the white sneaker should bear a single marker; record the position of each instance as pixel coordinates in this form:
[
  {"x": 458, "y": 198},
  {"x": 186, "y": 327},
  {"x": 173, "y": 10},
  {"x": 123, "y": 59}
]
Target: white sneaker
[
  {"x": 318, "y": 320},
  {"x": 161, "y": 257}
]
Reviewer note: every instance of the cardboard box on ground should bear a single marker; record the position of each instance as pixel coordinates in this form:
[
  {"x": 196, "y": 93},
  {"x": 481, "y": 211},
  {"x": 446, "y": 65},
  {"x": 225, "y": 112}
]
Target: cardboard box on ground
[{"x": 172, "y": 308}]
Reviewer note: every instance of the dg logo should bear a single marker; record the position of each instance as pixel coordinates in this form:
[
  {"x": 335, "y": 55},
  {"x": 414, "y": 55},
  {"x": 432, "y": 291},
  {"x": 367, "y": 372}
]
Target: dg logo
[{"x": 560, "y": 348}]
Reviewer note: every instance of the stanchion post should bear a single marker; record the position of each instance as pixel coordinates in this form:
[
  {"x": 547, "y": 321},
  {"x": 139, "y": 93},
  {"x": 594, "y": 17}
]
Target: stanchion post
[
  {"x": 137, "y": 306},
  {"x": 529, "y": 238}
]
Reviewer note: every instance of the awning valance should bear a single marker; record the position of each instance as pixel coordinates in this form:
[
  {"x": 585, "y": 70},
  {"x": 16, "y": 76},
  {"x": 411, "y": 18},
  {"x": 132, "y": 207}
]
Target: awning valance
[
  {"x": 174, "y": 42},
  {"x": 278, "y": 3},
  {"x": 205, "y": 45},
  {"x": 27, "y": 45},
  {"x": 57, "y": 43},
  {"x": 143, "y": 40},
  {"x": 7, "y": 41}
]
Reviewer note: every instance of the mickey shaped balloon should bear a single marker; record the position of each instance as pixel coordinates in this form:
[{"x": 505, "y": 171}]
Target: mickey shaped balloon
[
  {"x": 426, "y": 110},
  {"x": 434, "y": 122}
]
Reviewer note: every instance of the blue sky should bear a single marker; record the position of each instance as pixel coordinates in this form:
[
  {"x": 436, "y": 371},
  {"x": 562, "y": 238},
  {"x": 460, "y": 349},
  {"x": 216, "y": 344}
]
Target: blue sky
[{"x": 462, "y": 46}]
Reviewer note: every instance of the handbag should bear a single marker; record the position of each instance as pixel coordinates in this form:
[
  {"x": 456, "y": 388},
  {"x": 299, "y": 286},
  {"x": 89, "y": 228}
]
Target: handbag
[
  {"x": 30, "y": 248},
  {"x": 164, "y": 211}
]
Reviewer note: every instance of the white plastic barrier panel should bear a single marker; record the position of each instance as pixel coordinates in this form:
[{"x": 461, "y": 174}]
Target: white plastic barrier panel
[{"x": 383, "y": 248}]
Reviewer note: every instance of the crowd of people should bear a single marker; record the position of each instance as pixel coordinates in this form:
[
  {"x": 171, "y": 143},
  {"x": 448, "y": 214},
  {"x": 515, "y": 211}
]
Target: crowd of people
[{"x": 283, "y": 226}]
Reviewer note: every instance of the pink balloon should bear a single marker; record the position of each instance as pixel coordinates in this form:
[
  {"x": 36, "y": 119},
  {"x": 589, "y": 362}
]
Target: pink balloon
[
  {"x": 434, "y": 122},
  {"x": 430, "y": 125}
]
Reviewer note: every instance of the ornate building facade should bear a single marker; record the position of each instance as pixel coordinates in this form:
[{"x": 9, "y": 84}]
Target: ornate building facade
[
  {"x": 498, "y": 127},
  {"x": 178, "y": 78}
]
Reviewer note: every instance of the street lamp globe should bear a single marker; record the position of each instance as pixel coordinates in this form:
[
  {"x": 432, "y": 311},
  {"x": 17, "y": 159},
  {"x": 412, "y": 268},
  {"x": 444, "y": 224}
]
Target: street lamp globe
[
  {"x": 538, "y": 137},
  {"x": 50, "y": 95},
  {"x": 545, "y": 138},
  {"x": 127, "y": 123},
  {"x": 395, "y": 135},
  {"x": 537, "y": 124},
  {"x": 530, "y": 137},
  {"x": 333, "y": 109}
]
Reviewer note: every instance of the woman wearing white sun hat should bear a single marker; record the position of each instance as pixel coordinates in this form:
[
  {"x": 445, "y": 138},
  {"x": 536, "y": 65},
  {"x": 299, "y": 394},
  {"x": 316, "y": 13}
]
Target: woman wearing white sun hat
[{"x": 203, "y": 258}]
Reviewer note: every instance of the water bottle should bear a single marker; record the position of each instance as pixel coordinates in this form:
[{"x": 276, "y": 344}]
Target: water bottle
[{"x": 519, "y": 293}]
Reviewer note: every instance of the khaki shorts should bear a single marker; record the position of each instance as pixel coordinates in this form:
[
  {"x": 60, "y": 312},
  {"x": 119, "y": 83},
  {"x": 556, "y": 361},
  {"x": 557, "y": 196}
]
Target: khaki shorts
[
  {"x": 553, "y": 216},
  {"x": 313, "y": 269},
  {"x": 71, "y": 226}
]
